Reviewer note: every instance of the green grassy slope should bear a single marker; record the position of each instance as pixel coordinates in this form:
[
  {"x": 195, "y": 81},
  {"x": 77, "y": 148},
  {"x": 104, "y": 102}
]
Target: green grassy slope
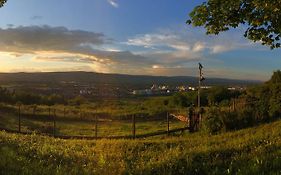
[{"x": 249, "y": 151}]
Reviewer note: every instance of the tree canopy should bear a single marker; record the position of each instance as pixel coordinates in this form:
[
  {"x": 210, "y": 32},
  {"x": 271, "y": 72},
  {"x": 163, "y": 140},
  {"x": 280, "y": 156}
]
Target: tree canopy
[
  {"x": 261, "y": 17},
  {"x": 276, "y": 77},
  {"x": 2, "y": 2}
]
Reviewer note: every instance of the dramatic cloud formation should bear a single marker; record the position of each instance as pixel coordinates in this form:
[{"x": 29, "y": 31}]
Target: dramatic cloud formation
[
  {"x": 176, "y": 51},
  {"x": 37, "y": 38},
  {"x": 182, "y": 40},
  {"x": 113, "y": 3},
  {"x": 59, "y": 44},
  {"x": 160, "y": 53}
]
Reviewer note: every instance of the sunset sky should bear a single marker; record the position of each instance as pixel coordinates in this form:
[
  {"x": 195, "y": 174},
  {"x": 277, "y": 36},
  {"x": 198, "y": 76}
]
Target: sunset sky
[{"x": 147, "y": 37}]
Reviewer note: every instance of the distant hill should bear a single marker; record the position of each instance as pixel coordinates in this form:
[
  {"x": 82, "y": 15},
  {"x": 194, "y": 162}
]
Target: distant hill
[{"x": 112, "y": 79}]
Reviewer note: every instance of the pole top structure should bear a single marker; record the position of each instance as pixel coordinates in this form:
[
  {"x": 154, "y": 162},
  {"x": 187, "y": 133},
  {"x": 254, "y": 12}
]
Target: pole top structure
[{"x": 201, "y": 78}]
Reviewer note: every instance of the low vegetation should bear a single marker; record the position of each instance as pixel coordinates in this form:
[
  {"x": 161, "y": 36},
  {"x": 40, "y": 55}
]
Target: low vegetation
[{"x": 248, "y": 151}]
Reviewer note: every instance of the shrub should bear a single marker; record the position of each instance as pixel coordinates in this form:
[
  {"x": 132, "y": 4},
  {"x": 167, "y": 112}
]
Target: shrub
[{"x": 213, "y": 121}]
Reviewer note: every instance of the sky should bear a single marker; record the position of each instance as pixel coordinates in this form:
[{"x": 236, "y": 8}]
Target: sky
[{"x": 138, "y": 37}]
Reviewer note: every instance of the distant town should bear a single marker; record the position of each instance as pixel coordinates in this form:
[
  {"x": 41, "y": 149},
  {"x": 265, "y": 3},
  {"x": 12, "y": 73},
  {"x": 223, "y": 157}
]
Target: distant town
[{"x": 166, "y": 90}]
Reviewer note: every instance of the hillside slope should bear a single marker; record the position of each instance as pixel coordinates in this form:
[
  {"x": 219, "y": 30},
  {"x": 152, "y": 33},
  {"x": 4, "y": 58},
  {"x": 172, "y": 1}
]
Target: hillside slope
[
  {"x": 112, "y": 79},
  {"x": 249, "y": 151}
]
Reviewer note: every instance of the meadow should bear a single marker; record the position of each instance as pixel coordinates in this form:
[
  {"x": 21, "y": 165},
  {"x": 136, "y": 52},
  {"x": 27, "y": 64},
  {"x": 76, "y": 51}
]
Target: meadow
[
  {"x": 248, "y": 151},
  {"x": 114, "y": 118}
]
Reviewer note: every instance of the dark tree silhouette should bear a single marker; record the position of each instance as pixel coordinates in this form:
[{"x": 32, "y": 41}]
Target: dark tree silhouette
[
  {"x": 261, "y": 17},
  {"x": 2, "y": 2}
]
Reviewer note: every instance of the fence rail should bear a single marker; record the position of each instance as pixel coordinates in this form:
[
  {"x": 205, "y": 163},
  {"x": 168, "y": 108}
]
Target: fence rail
[{"x": 139, "y": 136}]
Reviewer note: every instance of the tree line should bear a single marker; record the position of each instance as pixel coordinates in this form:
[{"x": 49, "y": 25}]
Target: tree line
[{"x": 258, "y": 104}]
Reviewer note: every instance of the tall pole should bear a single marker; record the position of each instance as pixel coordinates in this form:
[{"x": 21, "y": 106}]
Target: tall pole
[
  {"x": 199, "y": 84},
  {"x": 201, "y": 78}
]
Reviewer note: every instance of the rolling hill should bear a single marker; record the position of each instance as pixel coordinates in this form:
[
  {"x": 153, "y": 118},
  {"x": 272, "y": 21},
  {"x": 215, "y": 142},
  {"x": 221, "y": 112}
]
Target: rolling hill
[{"x": 112, "y": 79}]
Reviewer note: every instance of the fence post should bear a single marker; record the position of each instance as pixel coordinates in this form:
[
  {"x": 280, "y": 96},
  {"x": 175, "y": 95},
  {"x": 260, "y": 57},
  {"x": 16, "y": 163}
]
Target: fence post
[
  {"x": 168, "y": 124},
  {"x": 96, "y": 126},
  {"x": 64, "y": 112},
  {"x": 19, "y": 119},
  {"x": 34, "y": 109},
  {"x": 54, "y": 120},
  {"x": 233, "y": 104},
  {"x": 49, "y": 112},
  {"x": 134, "y": 126}
]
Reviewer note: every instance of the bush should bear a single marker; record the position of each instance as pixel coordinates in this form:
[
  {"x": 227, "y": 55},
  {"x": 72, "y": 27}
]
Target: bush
[{"x": 213, "y": 121}]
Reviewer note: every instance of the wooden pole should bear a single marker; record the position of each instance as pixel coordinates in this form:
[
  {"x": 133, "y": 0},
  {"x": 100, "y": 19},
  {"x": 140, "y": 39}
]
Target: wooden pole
[
  {"x": 49, "y": 112},
  {"x": 199, "y": 87},
  {"x": 19, "y": 119},
  {"x": 34, "y": 109},
  {"x": 168, "y": 124},
  {"x": 54, "y": 120},
  {"x": 64, "y": 112},
  {"x": 134, "y": 126},
  {"x": 96, "y": 126},
  {"x": 233, "y": 104}
]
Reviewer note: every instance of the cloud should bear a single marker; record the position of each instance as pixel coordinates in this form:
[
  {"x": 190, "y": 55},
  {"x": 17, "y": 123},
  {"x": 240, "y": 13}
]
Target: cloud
[
  {"x": 59, "y": 44},
  {"x": 10, "y": 25},
  {"x": 64, "y": 69},
  {"x": 33, "y": 38},
  {"x": 113, "y": 3},
  {"x": 166, "y": 52},
  {"x": 177, "y": 50},
  {"x": 36, "y": 17}
]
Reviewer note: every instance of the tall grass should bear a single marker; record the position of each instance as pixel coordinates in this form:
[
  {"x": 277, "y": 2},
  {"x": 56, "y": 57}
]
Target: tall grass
[{"x": 249, "y": 151}]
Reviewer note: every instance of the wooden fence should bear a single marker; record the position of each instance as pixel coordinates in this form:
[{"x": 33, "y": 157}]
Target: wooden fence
[{"x": 53, "y": 116}]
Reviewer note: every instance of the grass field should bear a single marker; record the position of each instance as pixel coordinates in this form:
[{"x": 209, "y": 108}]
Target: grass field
[
  {"x": 249, "y": 151},
  {"x": 81, "y": 121}
]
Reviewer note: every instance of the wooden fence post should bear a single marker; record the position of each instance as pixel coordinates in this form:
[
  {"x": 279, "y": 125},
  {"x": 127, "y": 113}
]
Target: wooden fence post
[
  {"x": 49, "y": 112},
  {"x": 233, "y": 105},
  {"x": 34, "y": 110},
  {"x": 134, "y": 126},
  {"x": 19, "y": 119},
  {"x": 64, "y": 112},
  {"x": 168, "y": 124},
  {"x": 96, "y": 126},
  {"x": 54, "y": 126}
]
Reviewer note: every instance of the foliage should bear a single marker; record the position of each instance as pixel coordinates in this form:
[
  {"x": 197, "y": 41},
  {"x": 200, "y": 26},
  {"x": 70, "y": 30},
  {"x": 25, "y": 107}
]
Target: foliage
[
  {"x": 29, "y": 98},
  {"x": 220, "y": 94},
  {"x": 186, "y": 99},
  {"x": 213, "y": 122},
  {"x": 181, "y": 99},
  {"x": 262, "y": 17},
  {"x": 78, "y": 100},
  {"x": 266, "y": 99},
  {"x": 2, "y": 2},
  {"x": 275, "y": 78}
]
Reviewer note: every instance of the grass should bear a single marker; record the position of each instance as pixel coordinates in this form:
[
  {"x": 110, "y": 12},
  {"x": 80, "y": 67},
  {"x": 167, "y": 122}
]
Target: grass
[
  {"x": 249, "y": 151},
  {"x": 41, "y": 123},
  {"x": 114, "y": 117}
]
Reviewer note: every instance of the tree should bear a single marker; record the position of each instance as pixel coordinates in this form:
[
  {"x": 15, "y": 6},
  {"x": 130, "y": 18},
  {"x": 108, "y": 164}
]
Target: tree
[
  {"x": 276, "y": 77},
  {"x": 262, "y": 18},
  {"x": 2, "y": 2}
]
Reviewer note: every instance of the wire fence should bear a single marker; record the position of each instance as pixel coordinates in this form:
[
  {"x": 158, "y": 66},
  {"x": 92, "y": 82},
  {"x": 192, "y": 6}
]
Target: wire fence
[{"x": 61, "y": 122}]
